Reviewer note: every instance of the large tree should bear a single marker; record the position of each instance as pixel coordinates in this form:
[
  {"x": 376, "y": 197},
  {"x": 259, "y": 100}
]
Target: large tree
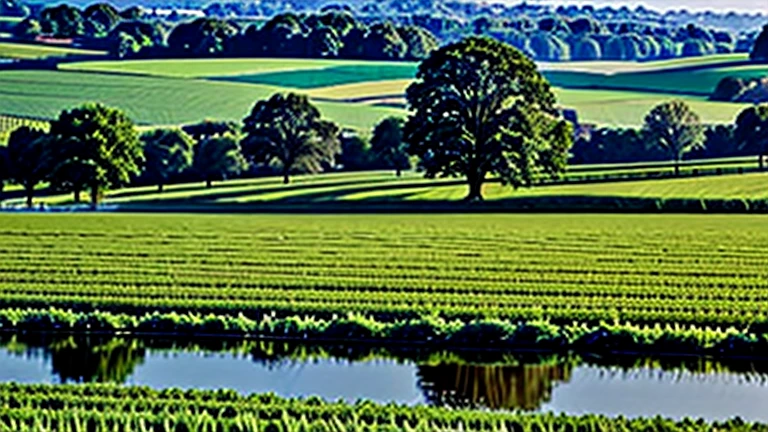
[
  {"x": 752, "y": 131},
  {"x": 760, "y": 49},
  {"x": 167, "y": 152},
  {"x": 288, "y": 129},
  {"x": 481, "y": 107},
  {"x": 676, "y": 129},
  {"x": 388, "y": 144},
  {"x": 96, "y": 147},
  {"x": 28, "y": 159},
  {"x": 217, "y": 158}
]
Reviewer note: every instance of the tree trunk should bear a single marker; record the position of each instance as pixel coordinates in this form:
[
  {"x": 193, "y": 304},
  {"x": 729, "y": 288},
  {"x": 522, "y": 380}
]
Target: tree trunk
[
  {"x": 677, "y": 167},
  {"x": 160, "y": 188},
  {"x": 475, "y": 188},
  {"x": 208, "y": 183},
  {"x": 761, "y": 161},
  {"x": 286, "y": 177},
  {"x": 94, "y": 196},
  {"x": 30, "y": 196},
  {"x": 77, "y": 194},
  {"x": 399, "y": 172}
]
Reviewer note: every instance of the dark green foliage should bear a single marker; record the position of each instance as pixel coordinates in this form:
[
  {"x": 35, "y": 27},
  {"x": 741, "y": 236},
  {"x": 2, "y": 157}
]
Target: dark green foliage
[
  {"x": 62, "y": 21},
  {"x": 383, "y": 42},
  {"x": 27, "y": 29},
  {"x": 548, "y": 47},
  {"x": 759, "y": 51},
  {"x": 697, "y": 47},
  {"x": 585, "y": 49},
  {"x": 419, "y": 42},
  {"x": 729, "y": 89},
  {"x": 101, "y": 18},
  {"x": 167, "y": 152},
  {"x": 288, "y": 129},
  {"x": 202, "y": 37},
  {"x": 211, "y": 129},
  {"x": 95, "y": 146},
  {"x": 27, "y": 159},
  {"x": 356, "y": 152},
  {"x": 481, "y": 107},
  {"x": 624, "y": 47},
  {"x": 388, "y": 145},
  {"x": 675, "y": 128},
  {"x": 140, "y": 36},
  {"x": 752, "y": 131},
  {"x": 218, "y": 158}
]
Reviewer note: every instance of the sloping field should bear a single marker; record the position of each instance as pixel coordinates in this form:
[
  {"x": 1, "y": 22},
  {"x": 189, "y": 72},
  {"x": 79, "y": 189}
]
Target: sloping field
[
  {"x": 234, "y": 68},
  {"x": 339, "y": 75},
  {"x": 613, "y": 67},
  {"x": 151, "y": 100},
  {"x": 34, "y": 51},
  {"x": 670, "y": 269},
  {"x": 698, "y": 82}
]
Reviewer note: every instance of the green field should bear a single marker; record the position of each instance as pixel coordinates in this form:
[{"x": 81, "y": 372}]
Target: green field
[
  {"x": 703, "y": 269},
  {"x": 34, "y": 51},
  {"x": 152, "y": 100},
  {"x": 610, "y": 67}
]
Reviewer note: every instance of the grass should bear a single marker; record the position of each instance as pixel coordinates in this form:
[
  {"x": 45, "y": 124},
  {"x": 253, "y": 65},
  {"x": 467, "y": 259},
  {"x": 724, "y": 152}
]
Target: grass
[
  {"x": 339, "y": 75},
  {"x": 35, "y": 51},
  {"x": 234, "y": 68},
  {"x": 152, "y": 100},
  {"x": 703, "y": 269},
  {"x": 612, "y": 67},
  {"x": 689, "y": 82}
]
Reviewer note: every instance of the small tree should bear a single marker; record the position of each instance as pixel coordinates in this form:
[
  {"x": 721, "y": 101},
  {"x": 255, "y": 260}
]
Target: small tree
[
  {"x": 752, "y": 131},
  {"x": 759, "y": 52},
  {"x": 218, "y": 158},
  {"x": 95, "y": 147},
  {"x": 387, "y": 143},
  {"x": 28, "y": 159},
  {"x": 288, "y": 129},
  {"x": 167, "y": 152},
  {"x": 676, "y": 129},
  {"x": 481, "y": 107}
]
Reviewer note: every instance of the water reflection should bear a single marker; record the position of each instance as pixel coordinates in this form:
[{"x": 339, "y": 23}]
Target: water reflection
[
  {"x": 568, "y": 384},
  {"x": 524, "y": 386}
]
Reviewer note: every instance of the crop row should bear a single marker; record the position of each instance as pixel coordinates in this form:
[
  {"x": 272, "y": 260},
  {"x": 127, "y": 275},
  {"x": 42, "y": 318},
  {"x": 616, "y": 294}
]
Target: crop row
[
  {"x": 706, "y": 270},
  {"x": 65, "y": 408},
  {"x": 428, "y": 330}
]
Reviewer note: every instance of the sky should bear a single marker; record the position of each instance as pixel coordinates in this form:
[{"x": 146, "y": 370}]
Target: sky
[{"x": 663, "y": 5}]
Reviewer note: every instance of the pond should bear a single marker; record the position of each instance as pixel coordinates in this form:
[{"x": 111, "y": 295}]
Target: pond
[{"x": 675, "y": 388}]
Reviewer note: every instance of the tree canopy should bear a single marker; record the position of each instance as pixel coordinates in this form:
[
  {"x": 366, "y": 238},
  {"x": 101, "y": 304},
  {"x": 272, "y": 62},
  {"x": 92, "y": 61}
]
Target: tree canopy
[
  {"x": 752, "y": 131},
  {"x": 28, "y": 159},
  {"x": 217, "y": 158},
  {"x": 760, "y": 49},
  {"x": 288, "y": 129},
  {"x": 676, "y": 129},
  {"x": 389, "y": 146},
  {"x": 96, "y": 147},
  {"x": 167, "y": 152},
  {"x": 481, "y": 107}
]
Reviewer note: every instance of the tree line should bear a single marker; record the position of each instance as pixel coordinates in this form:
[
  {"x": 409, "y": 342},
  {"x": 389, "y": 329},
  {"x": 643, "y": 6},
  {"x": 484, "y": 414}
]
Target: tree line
[
  {"x": 341, "y": 32},
  {"x": 94, "y": 147}
]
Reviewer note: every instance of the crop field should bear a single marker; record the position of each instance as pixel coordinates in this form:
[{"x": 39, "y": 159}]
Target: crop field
[
  {"x": 697, "y": 82},
  {"x": 611, "y": 67},
  {"x": 355, "y": 93},
  {"x": 699, "y": 269},
  {"x": 151, "y": 100},
  {"x": 33, "y": 51}
]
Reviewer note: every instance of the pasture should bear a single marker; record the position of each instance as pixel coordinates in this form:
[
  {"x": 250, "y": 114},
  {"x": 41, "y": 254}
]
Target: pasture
[
  {"x": 603, "y": 93},
  {"x": 669, "y": 269},
  {"x": 153, "y": 100},
  {"x": 24, "y": 51}
]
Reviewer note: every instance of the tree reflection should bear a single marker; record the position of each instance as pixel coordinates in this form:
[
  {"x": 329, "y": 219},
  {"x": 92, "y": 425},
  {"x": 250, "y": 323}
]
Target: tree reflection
[
  {"x": 525, "y": 386},
  {"x": 96, "y": 360}
]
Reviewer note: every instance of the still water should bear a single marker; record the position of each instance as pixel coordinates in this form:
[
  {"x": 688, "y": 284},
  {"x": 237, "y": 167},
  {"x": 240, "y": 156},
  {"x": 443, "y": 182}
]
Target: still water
[{"x": 671, "y": 388}]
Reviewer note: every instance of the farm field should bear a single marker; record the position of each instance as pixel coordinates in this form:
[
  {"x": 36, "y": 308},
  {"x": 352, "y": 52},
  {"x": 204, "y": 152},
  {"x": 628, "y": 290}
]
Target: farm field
[
  {"x": 24, "y": 51},
  {"x": 695, "y": 269},
  {"x": 156, "y": 101},
  {"x": 617, "y": 99}
]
